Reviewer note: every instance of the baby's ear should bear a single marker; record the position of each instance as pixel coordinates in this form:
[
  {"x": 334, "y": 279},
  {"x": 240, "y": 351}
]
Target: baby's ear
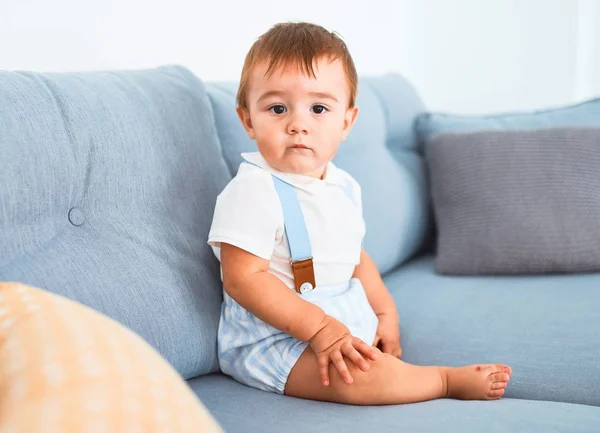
[
  {"x": 349, "y": 119},
  {"x": 244, "y": 116}
]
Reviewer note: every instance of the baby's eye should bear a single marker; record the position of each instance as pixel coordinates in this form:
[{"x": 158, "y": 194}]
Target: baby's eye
[
  {"x": 277, "y": 109},
  {"x": 319, "y": 109}
]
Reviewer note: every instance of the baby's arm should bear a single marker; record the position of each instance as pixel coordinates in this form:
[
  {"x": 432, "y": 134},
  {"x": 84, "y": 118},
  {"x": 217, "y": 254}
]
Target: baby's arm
[
  {"x": 366, "y": 271},
  {"x": 388, "y": 332},
  {"x": 245, "y": 279}
]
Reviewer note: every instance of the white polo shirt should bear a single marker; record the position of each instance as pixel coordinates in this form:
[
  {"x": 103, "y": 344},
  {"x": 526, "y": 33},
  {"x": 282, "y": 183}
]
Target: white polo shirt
[{"x": 248, "y": 215}]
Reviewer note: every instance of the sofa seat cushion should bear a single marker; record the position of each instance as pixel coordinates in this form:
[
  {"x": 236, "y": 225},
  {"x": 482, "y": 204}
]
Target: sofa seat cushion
[
  {"x": 239, "y": 408},
  {"x": 545, "y": 327}
]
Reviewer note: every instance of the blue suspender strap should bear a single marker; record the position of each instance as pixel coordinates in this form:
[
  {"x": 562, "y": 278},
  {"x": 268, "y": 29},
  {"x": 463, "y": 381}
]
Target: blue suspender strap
[
  {"x": 295, "y": 227},
  {"x": 297, "y": 237}
]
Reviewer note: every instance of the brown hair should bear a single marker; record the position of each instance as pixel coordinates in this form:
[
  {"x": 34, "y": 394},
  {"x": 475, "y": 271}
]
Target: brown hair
[{"x": 297, "y": 44}]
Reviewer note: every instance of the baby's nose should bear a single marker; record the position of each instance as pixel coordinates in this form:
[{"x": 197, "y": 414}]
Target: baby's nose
[{"x": 297, "y": 125}]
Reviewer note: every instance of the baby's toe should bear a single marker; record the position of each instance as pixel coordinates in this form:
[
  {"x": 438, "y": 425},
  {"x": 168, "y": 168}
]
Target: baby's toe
[
  {"x": 498, "y": 385},
  {"x": 489, "y": 368},
  {"x": 495, "y": 394},
  {"x": 499, "y": 377},
  {"x": 505, "y": 368}
]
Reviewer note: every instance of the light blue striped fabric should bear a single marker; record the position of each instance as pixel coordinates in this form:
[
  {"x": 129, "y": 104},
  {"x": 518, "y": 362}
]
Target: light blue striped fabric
[{"x": 258, "y": 355}]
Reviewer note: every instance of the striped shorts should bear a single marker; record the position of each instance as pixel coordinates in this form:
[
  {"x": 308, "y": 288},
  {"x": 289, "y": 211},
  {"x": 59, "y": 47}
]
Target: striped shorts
[{"x": 259, "y": 355}]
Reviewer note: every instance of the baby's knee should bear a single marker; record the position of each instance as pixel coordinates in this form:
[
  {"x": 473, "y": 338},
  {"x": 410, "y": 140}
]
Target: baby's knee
[
  {"x": 375, "y": 374},
  {"x": 364, "y": 383}
]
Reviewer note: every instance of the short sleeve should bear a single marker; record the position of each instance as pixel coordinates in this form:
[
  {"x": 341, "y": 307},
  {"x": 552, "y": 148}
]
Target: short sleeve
[
  {"x": 354, "y": 190},
  {"x": 247, "y": 214},
  {"x": 358, "y": 196}
]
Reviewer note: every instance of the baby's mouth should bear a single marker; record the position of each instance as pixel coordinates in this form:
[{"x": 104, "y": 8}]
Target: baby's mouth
[{"x": 299, "y": 146}]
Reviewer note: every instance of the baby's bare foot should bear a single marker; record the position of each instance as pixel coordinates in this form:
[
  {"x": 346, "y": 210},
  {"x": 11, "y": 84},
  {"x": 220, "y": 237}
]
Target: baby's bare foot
[{"x": 477, "y": 382}]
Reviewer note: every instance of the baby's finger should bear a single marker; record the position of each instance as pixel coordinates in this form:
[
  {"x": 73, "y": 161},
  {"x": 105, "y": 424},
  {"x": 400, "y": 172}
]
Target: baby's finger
[
  {"x": 350, "y": 352},
  {"x": 369, "y": 351},
  {"x": 388, "y": 347},
  {"x": 324, "y": 369},
  {"x": 340, "y": 364},
  {"x": 397, "y": 352},
  {"x": 376, "y": 342}
]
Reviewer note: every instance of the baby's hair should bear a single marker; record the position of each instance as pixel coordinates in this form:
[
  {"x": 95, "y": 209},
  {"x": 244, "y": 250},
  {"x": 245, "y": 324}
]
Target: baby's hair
[{"x": 297, "y": 44}]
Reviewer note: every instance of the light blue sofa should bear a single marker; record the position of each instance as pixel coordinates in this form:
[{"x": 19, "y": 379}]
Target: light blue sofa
[{"x": 107, "y": 189}]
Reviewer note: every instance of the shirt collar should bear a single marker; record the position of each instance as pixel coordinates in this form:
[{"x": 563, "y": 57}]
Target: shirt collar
[{"x": 307, "y": 183}]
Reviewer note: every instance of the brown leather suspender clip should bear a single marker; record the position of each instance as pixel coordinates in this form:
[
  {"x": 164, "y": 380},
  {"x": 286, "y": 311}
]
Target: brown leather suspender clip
[{"x": 304, "y": 275}]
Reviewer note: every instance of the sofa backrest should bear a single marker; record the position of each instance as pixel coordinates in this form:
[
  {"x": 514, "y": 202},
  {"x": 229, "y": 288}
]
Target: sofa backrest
[
  {"x": 381, "y": 153},
  {"x": 107, "y": 190},
  {"x": 109, "y": 181}
]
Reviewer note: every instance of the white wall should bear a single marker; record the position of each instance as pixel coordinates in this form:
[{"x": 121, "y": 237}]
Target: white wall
[
  {"x": 210, "y": 37},
  {"x": 595, "y": 49},
  {"x": 588, "y": 49},
  {"x": 471, "y": 56},
  {"x": 509, "y": 54}
]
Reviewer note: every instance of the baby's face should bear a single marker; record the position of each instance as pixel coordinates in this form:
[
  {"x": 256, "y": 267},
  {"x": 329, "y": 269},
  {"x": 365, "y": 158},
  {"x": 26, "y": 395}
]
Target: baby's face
[{"x": 299, "y": 121}]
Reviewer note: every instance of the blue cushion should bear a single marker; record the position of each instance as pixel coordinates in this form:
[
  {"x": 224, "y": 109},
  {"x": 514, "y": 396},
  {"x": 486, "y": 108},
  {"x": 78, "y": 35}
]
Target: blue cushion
[
  {"x": 236, "y": 407},
  {"x": 381, "y": 153},
  {"x": 586, "y": 113},
  {"x": 544, "y": 327},
  {"x": 107, "y": 191}
]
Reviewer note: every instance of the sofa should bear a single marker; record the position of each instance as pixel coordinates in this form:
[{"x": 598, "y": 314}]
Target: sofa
[{"x": 107, "y": 191}]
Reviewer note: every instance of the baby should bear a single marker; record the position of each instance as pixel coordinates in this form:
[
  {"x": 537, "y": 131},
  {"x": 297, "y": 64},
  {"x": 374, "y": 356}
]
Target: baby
[{"x": 305, "y": 311}]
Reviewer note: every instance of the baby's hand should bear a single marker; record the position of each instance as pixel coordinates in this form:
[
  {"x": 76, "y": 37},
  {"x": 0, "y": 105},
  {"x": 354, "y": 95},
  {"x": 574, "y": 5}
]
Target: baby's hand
[
  {"x": 388, "y": 335},
  {"x": 332, "y": 343}
]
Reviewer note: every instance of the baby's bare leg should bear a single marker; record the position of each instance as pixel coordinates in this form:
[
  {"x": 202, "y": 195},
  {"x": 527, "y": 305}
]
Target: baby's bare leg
[{"x": 392, "y": 381}]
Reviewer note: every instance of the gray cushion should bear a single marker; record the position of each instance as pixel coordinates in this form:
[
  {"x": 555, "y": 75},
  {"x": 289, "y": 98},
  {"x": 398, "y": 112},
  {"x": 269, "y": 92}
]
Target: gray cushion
[
  {"x": 545, "y": 327},
  {"x": 241, "y": 409},
  {"x": 516, "y": 201},
  {"x": 107, "y": 191}
]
